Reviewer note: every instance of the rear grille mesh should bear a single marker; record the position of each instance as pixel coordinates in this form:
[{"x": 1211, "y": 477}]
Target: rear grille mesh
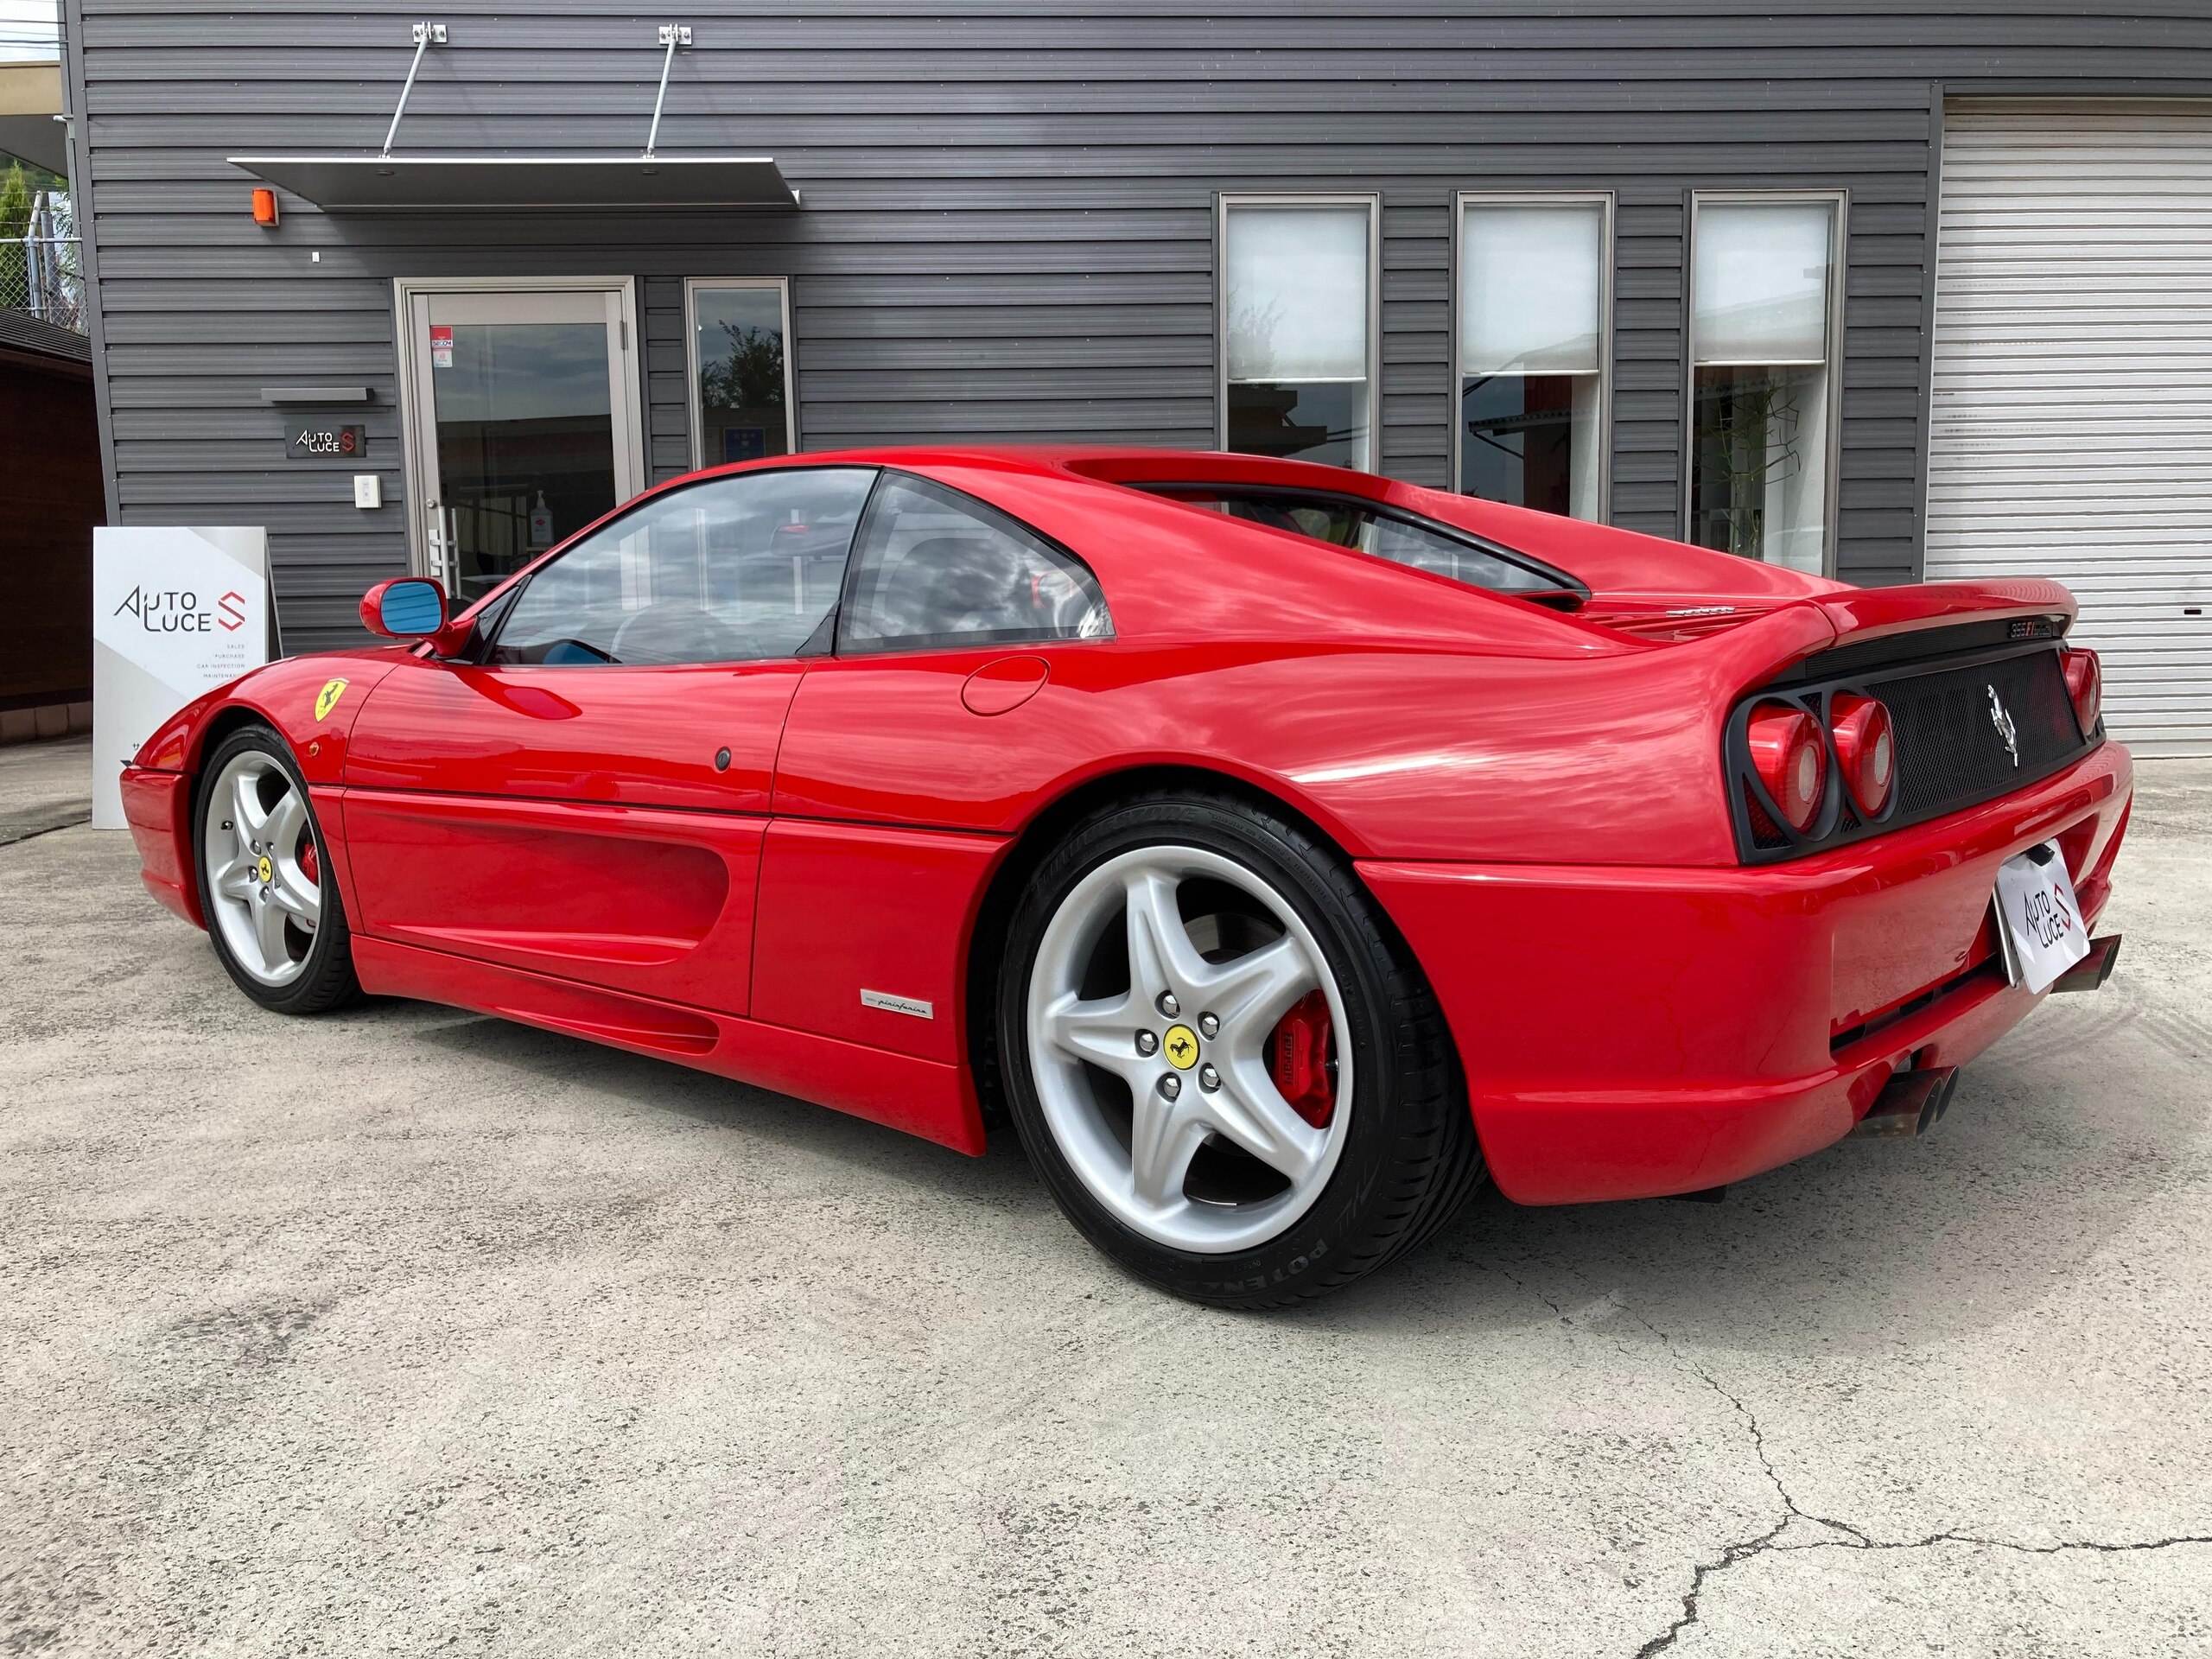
[{"x": 1949, "y": 745}]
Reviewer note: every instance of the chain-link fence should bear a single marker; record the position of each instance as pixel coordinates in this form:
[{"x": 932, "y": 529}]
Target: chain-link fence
[{"x": 41, "y": 268}]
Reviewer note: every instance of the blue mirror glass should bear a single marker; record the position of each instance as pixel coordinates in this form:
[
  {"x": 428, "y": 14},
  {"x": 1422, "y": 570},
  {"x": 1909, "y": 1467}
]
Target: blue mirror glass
[{"x": 413, "y": 607}]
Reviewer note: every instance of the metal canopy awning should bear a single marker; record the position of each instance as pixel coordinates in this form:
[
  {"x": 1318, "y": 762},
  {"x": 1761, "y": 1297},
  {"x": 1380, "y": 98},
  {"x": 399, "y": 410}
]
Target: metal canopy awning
[
  {"x": 387, "y": 183},
  {"x": 374, "y": 184}
]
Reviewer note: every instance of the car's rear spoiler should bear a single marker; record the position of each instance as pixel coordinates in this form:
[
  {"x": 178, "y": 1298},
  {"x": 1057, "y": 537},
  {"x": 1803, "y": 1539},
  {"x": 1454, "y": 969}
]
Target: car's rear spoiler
[{"x": 1767, "y": 647}]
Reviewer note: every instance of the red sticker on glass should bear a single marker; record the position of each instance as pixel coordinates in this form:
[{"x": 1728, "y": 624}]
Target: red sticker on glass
[{"x": 441, "y": 346}]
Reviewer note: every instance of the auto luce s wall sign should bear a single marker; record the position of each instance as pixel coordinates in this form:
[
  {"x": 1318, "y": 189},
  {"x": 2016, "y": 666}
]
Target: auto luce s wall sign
[{"x": 314, "y": 438}]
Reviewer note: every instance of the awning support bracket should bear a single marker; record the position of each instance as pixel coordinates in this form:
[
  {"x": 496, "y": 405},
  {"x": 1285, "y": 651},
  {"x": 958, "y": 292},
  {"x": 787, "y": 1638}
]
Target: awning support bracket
[
  {"x": 427, "y": 35},
  {"x": 671, "y": 36}
]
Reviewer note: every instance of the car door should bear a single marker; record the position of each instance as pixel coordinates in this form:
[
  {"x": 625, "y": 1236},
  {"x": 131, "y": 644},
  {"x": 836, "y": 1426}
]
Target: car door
[
  {"x": 588, "y": 795},
  {"x": 957, "y": 624}
]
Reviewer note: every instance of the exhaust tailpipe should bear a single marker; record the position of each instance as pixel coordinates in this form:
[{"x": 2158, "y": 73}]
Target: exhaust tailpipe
[
  {"x": 1910, "y": 1104},
  {"x": 2090, "y": 973}
]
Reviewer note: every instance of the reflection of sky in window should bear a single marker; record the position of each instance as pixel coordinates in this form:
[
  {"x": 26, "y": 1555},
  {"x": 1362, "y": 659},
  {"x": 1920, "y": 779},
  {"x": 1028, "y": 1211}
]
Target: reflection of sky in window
[
  {"x": 29, "y": 31},
  {"x": 724, "y": 315},
  {"x": 524, "y": 371}
]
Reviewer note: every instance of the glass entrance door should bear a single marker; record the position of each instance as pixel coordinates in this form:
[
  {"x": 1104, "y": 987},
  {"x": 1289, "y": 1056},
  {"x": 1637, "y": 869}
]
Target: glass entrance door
[{"x": 523, "y": 424}]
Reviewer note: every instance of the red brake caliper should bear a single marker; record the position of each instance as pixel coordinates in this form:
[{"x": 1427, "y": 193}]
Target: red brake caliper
[
  {"x": 1297, "y": 1054},
  {"x": 308, "y": 866}
]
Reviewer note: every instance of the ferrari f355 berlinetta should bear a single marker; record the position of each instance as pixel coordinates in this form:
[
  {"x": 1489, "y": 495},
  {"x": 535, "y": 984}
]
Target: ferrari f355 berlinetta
[{"x": 1282, "y": 848}]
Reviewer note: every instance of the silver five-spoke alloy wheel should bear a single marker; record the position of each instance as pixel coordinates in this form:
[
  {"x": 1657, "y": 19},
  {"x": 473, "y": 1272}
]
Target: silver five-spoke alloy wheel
[
  {"x": 1190, "y": 1038},
  {"x": 266, "y": 902}
]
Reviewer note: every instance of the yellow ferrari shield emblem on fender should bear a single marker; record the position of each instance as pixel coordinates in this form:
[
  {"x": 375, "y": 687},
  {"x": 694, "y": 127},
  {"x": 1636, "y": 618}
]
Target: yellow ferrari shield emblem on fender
[
  {"x": 1180, "y": 1045},
  {"x": 327, "y": 699}
]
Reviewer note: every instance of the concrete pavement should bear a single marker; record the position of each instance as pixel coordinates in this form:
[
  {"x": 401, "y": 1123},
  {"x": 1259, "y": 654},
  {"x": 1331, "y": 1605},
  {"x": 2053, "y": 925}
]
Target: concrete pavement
[
  {"x": 44, "y": 786},
  {"x": 404, "y": 1331}
]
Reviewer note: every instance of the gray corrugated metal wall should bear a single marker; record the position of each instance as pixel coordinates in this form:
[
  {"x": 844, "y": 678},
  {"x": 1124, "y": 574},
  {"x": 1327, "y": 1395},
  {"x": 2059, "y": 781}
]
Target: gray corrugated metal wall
[{"x": 1007, "y": 222}]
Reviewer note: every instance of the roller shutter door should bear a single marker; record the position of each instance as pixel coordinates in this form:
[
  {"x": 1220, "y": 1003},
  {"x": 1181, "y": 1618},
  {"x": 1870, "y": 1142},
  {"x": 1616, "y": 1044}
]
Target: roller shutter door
[{"x": 2070, "y": 433}]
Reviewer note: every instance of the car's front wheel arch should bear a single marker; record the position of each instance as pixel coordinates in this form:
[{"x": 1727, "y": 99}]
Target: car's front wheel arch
[{"x": 274, "y": 914}]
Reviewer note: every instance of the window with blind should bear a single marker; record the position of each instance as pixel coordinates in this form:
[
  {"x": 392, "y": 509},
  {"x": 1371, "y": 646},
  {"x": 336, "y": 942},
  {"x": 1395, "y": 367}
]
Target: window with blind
[
  {"x": 1763, "y": 287},
  {"x": 1298, "y": 331},
  {"x": 1533, "y": 345}
]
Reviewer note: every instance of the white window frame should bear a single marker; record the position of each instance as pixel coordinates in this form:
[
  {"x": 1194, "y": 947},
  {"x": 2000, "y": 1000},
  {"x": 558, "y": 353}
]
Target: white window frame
[
  {"x": 692, "y": 414},
  {"x": 1602, "y": 199},
  {"x": 1838, "y": 242},
  {"x": 1371, "y": 199}
]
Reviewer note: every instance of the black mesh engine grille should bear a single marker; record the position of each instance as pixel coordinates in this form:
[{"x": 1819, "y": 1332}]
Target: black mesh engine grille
[
  {"x": 1951, "y": 728},
  {"x": 1970, "y": 726}
]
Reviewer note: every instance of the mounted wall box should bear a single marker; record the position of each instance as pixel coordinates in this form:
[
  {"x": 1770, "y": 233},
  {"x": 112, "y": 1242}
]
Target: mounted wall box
[
  {"x": 315, "y": 394},
  {"x": 368, "y": 490},
  {"x": 264, "y": 208}
]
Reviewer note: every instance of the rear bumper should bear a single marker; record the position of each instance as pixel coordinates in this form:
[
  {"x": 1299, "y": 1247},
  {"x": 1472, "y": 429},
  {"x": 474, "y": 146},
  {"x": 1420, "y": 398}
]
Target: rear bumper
[
  {"x": 156, "y": 805},
  {"x": 1631, "y": 1032}
]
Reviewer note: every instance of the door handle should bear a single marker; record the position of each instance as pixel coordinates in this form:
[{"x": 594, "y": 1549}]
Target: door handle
[
  {"x": 445, "y": 530},
  {"x": 437, "y": 544}
]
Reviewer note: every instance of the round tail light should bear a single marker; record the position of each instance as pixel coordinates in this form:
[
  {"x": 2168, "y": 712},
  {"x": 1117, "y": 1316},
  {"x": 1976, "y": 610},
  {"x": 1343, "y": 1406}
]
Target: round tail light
[
  {"x": 1790, "y": 760},
  {"x": 2085, "y": 684},
  {"x": 1865, "y": 749}
]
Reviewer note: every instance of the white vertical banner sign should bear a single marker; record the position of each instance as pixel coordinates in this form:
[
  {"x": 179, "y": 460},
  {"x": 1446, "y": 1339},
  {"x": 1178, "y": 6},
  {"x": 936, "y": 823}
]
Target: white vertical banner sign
[{"x": 176, "y": 613}]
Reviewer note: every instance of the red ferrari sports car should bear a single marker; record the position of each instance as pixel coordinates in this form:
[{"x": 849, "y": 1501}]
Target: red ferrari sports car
[{"x": 1283, "y": 847}]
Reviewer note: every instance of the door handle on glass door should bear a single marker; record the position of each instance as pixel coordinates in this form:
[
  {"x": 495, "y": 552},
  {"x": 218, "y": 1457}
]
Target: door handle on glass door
[
  {"x": 445, "y": 530},
  {"x": 437, "y": 545}
]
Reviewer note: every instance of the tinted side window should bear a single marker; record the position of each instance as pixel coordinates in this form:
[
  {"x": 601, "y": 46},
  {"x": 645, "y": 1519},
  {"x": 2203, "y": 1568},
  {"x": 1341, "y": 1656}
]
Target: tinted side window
[
  {"x": 936, "y": 568},
  {"x": 1347, "y": 523},
  {"x": 733, "y": 569}
]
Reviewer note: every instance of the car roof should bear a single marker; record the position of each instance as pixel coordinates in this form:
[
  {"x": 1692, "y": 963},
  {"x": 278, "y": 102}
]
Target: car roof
[{"x": 1173, "y": 571}]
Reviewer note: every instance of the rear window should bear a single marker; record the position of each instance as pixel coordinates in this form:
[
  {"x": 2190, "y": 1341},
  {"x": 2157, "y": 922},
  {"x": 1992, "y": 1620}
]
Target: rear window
[{"x": 1387, "y": 533}]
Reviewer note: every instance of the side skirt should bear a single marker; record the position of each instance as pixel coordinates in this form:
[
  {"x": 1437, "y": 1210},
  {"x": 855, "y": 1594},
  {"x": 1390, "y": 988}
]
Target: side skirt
[{"x": 922, "y": 1097}]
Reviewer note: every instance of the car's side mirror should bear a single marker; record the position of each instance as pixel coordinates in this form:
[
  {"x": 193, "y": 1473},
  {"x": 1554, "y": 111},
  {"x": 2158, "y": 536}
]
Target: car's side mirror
[
  {"x": 414, "y": 608},
  {"x": 408, "y": 607}
]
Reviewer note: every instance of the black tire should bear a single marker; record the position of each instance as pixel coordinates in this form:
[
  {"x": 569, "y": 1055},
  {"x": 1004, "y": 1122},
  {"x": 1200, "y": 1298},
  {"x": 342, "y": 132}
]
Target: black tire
[
  {"x": 1410, "y": 1157},
  {"x": 327, "y": 979}
]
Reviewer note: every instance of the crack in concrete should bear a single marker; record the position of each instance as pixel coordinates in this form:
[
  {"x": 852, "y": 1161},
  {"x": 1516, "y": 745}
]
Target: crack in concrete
[
  {"x": 1526, "y": 1289},
  {"x": 1852, "y": 1538},
  {"x": 2064, "y": 1546},
  {"x": 1729, "y": 1557},
  {"x": 1745, "y": 1548},
  {"x": 1692, "y": 1614}
]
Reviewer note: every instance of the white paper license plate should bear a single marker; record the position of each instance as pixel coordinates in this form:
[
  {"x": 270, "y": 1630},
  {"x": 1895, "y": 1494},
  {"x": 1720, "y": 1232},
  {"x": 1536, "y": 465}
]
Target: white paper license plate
[{"x": 2039, "y": 924}]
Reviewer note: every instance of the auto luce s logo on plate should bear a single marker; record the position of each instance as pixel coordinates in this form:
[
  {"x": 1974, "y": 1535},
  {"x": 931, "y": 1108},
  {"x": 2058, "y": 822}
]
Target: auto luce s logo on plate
[
  {"x": 178, "y": 611},
  {"x": 2003, "y": 722}
]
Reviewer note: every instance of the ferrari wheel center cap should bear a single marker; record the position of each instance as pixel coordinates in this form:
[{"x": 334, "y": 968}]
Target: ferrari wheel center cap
[
  {"x": 1180, "y": 1045},
  {"x": 265, "y": 870}
]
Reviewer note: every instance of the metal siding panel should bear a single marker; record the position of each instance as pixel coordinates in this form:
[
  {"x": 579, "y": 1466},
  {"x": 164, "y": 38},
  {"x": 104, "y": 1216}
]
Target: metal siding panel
[
  {"x": 2070, "y": 434},
  {"x": 668, "y": 370},
  {"x": 1007, "y": 222}
]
